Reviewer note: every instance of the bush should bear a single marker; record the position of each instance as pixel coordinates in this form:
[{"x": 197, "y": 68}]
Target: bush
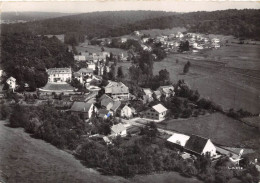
[{"x": 4, "y": 112}]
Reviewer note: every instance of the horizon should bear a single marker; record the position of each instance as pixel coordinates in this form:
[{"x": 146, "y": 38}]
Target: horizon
[{"x": 101, "y": 6}]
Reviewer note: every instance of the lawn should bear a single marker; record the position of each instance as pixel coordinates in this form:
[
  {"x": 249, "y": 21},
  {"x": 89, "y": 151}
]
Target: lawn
[
  {"x": 218, "y": 127},
  {"x": 230, "y": 76},
  {"x": 94, "y": 49}
]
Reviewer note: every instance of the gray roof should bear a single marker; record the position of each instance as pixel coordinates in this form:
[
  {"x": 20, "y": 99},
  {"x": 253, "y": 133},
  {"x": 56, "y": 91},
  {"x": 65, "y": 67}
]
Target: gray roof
[
  {"x": 196, "y": 144},
  {"x": 81, "y": 106}
]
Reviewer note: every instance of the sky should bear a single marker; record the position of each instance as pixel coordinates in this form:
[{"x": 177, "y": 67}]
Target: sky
[{"x": 117, "y": 5}]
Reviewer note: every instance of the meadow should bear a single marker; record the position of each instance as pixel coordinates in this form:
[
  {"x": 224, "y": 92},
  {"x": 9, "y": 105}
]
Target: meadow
[
  {"x": 218, "y": 127},
  {"x": 230, "y": 75}
]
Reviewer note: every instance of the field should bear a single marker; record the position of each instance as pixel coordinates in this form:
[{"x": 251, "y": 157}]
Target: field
[
  {"x": 218, "y": 127},
  {"x": 94, "y": 49},
  {"x": 230, "y": 75}
]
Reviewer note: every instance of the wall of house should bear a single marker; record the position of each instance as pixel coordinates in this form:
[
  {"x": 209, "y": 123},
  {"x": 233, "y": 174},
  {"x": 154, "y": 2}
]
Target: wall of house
[
  {"x": 59, "y": 77},
  {"x": 126, "y": 112},
  {"x": 209, "y": 147},
  {"x": 152, "y": 114}
]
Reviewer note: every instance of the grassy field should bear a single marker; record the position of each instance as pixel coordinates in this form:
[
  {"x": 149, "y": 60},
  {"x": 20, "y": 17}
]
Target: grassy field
[
  {"x": 230, "y": 76},
  {"x": 93, "y": 49},
  {"x": 218, "y": 127},
  {"x": 25, "y": 159}
]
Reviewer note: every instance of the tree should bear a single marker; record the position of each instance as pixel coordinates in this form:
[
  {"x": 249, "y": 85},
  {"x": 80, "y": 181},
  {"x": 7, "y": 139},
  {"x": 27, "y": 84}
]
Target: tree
[
  {"x": 184, "y": 46},
  {"x": 120, "y": 73},
  {"x": 164, "y": 75},
  {"x": 102, "y": 49},
  {"x": 186, "y": 67}
]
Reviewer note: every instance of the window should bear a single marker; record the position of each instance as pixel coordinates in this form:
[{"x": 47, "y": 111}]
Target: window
[{"x": 156, "y": 114}]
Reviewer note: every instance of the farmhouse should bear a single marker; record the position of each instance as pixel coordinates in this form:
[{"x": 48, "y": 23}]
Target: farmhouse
[
  {"x": 11, "y": 82},
  {"x": 103, "y": 113},
  {"x": 117, "y": 90},
  {"x": 83, "y": 109},
  {"x": 200, "y": 145},
  {"x": 157, "y": 94},
  {"x": 148, "y": 95},
  {"x": 106, "y": 101},
  {"x": 118, "y": 130},
  {"x": 59, "y": 75},
  {"x": 166, "y": 90},
  {"x": 157, "y": 112}
]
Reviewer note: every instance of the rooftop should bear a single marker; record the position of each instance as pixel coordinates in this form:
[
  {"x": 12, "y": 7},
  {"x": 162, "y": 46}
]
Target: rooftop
[
  {"x": 59, "y": 71},
  {"x": 57, "y": 87},
  {"x": 196, "y": 144},
  {"x": 81, "y": 106},
  {"x": 118, "y": 128},
  {"x": 159, "y": 108}
]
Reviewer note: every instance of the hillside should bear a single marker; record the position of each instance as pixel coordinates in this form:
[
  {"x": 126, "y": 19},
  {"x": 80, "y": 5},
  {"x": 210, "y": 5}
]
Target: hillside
[
  {"x": 30, "y": 16},
  {"x": 240, "y": 23}
]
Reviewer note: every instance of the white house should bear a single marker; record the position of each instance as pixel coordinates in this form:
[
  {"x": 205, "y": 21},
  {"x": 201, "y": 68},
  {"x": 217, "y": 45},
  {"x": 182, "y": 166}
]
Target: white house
[
  {"x": 91, "y": 65},
  {"x": 157, "y": 112},
  {"x": 127, "y": 111},
  {"x": 80, "y": 57},
  {"x": 200, "y": 145},
  {"x": 11, "y": 82},
  {"x": 59, "y": 75},
  {"x": 123, "y": 40},
  {"x": 179, "y": 139},
  {"x": 118, "y": 130}
]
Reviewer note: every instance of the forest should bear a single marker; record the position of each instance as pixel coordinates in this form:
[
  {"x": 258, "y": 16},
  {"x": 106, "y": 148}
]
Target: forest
[
  {"x": 26, "y": 56},
  {"x": 240, "y": 23}
]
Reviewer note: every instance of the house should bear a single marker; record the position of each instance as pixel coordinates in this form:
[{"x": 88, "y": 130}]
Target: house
[
  {"x": 80, "y": 58},
  {"x": 103, "y": 113},
  {"x": 85, "y": 72},
  {"x": 215, "y": 40},
  {"x": 157, "y": 112},
  {"x": 123, "y": 40},
  {"x": 166, "y": 90},
  {"x": 118, "y": 130},
  {"x": 178, "y": 139},
  {"x": 79, "y": 77},
  {"x": 145, "y": 39},
  {"x": 148, "y": 95},
  {"x": 59, "y": 75},
  {"x": 179, "y": 35},
  {"x": 157, "y": 94},
  {"x": 200, "y": 145},
  {"x": 137, "y": 33},
  {"x": 114, "y": 108},
  {"x": 117, "y": 90},
  {"x": 11, "y": 82},
  {"x": 106, "y": 101},
  {"x": 83, "y": 109},
  {"x": 91, "y": 65},
  {"x": 126, "y": 111}
]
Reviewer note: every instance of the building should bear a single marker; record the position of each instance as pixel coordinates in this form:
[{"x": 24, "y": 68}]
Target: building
[
  {"x": 103, "y": 113},
  {"x": 126, "y": 111},
  {"x": 115, "y": 107},
  {"x": 200, "y": 145},
  {"x": 166, "y": 90},
  {"x": 123, "y": 40},
  {"x": 148, "y": 95},
  {"x": 178, "y": 139},
  {"x": 59, "y": 75},
  {"x": 106, "y": 101},
  {"x": 80, "y": 58},
  {"x": 157, "y": 95},
  {"x": 83, "y": 109},
  {"x": 157, "y": 112},
  {"x": 118, "y": 130},
  {"x": 11, "y": 83},
  {"x": 86, "y": 72},
  {"x": 117, "y": 90},
  {"x": 91, "y": 65}
]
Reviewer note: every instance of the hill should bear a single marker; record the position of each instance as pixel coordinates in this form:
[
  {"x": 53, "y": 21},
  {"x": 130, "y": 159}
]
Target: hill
[
  {"x": 30, "y": 16},
  {"x": 240, "y": 23}
]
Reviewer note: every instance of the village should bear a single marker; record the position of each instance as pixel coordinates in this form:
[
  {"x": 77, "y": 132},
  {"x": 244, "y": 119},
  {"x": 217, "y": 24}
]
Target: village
[{"x": 95, "y": 92}]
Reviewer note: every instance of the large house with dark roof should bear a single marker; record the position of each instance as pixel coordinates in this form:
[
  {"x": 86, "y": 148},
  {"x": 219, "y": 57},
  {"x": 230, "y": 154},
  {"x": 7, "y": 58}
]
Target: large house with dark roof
[
  {"x": 117, "y": 90},
  {"x": 83, "y": 109},
  {"x": 200, "y": 145}
]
